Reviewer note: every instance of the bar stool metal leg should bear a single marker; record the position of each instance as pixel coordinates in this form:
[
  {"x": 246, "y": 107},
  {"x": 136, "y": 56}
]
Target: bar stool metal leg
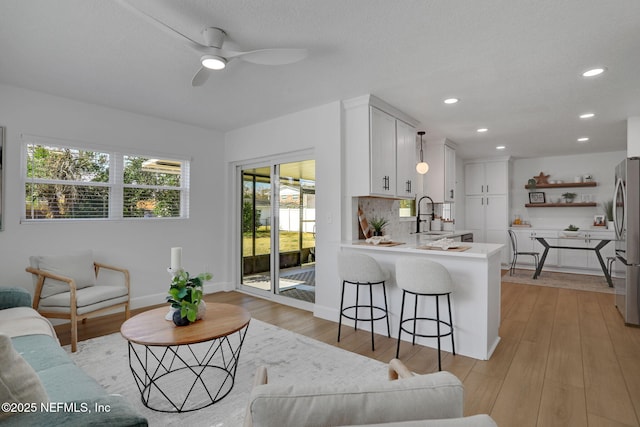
[
  {"x": 341, "y": 309},
  {"x": 404, "y": 294},
  {"x": 355, "y": 326},
  {"x": 371, "y": 316},
  {"x": 415, "y": 319},
  {"x": 386, "y": 308},
  {"x": 438, "y": 330},
  {"x": 453, "y": 344}
]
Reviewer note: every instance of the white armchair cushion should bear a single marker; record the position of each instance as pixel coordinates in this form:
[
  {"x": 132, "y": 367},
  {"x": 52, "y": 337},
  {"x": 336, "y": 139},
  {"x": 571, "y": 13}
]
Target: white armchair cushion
[
  {"x": 19, "y": 383},
  {"x": 432, "y": 396},
  {"x": 78, "y": 267},
  {"x": 86, "y": 297}
]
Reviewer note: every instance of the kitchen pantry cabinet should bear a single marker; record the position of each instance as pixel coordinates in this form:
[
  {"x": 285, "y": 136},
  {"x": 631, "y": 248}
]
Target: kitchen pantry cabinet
[
  {"x": 380, "y": 149},
  {"x": 491, "y": 177},
  {"x": 440, "y": 182},
  {"x": 487, "y": 202}
]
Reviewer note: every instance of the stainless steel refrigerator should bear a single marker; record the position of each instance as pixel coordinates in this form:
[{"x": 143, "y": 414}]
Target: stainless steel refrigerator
[{"x": 626, "y": 206}]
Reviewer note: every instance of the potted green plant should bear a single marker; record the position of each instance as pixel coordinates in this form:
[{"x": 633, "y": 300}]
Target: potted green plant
[
  {"x": 378, "y": 224},
  {"x": 569, "y": 197},
  {"x": 608, "y": 213},
  {"x": 185, "y": 296}
]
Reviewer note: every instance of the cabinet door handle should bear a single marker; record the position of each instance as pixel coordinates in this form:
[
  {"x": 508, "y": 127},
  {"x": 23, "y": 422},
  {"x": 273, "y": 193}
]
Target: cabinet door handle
[
  {"x": 487, "y": 188},
  {"x": 482, "y": 188},
  {"x": 451, "y": 193},
  {"x": 482, "y": 201},
  {"x": 487, "y": 201},
  {"x": 385, "y": 182},
  {"x": 409, "y": 186}
]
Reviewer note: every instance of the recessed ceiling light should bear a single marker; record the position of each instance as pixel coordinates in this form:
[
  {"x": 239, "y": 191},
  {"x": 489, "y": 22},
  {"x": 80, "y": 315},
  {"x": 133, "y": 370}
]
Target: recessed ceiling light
[
  {"x": 482, "y": 130},
  {"x": 593, "y": 72},
  {"x": 586, "y": 115},
  {"x": 451, "y": 100},
  {"x": 500, "y": 147},
  {"x": 583, "y": 139}
]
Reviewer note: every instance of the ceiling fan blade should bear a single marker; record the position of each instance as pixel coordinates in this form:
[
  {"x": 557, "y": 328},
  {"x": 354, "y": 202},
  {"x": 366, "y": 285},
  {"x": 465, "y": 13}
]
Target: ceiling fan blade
[
  {"x": 270, "y": 56},
  {"x": 201, "y": 77},
  {"x": 161, "y": 25}
]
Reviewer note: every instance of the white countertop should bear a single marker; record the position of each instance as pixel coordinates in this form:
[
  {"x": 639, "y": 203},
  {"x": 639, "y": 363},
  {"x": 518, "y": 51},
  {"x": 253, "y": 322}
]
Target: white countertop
[{"x": 412, "y": 244}]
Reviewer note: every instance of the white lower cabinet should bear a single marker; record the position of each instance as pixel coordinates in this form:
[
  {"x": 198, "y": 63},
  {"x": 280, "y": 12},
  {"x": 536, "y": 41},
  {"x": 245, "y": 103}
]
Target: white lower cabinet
[{"x": 586, "y": 259}]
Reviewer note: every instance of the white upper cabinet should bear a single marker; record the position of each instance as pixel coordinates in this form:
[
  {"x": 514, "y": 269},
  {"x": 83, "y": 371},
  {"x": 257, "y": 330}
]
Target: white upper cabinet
[
  {"x": 490, "y": 177},
  {"x": 439, "y": 182},
  {"x": 380, "y": 149},
  {"x": 383, "y": 153},
  {"x": 406, "y": 160}
]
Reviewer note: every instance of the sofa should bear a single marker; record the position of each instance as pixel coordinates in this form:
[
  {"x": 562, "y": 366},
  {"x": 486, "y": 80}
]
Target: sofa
[
  {"x": 408, "y": 400},
  {"x": 40, "y": 384}
]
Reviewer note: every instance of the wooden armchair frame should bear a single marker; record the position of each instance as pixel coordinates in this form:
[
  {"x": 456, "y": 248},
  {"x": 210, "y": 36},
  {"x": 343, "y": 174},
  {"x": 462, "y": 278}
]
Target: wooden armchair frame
[{"x": 73, "y": 315}]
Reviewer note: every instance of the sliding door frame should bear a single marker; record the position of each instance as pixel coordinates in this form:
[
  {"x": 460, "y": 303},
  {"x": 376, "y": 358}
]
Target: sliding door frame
[{"x": 237, "y": 200}]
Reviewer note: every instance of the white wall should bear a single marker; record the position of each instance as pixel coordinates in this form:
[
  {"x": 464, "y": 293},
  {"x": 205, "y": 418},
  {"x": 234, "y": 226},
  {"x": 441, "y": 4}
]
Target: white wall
[
  {"x": 633, "y": 136},
  {"x": 600, "y": 165},
  {"x": 317, "y": 131},
  {"x": 141, "y": 246}
]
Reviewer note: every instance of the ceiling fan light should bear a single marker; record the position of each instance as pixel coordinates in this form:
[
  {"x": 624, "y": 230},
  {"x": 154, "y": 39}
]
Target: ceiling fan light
[{"x": 213, "y": 62}]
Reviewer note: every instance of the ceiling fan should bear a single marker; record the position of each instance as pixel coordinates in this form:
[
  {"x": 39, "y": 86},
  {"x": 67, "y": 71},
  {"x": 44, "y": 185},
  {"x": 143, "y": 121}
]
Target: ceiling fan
[{"x": 214, "y": 56}]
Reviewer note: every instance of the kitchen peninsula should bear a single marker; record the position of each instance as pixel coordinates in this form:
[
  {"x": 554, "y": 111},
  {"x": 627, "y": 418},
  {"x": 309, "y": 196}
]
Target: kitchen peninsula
[{"x": 476, "y": 300}]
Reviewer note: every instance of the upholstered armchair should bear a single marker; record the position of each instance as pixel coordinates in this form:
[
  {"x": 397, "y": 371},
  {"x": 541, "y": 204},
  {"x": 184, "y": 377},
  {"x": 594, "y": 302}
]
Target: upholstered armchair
[
  {"x": 76, "y": 287},
  {"x": 408, "y": 400}
]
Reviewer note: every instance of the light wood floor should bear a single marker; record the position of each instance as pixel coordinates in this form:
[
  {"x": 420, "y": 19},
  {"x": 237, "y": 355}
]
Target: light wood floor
[{"x": 565, "y": 358}]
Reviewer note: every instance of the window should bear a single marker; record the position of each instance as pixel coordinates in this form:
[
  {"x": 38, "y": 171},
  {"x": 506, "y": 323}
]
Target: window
[
  {"x": 407, "y": 208},
  {"x": 63, "y": 182}
]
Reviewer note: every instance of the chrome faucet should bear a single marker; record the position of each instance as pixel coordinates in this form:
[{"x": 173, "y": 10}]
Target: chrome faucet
[{"x": 433, "y": 212}]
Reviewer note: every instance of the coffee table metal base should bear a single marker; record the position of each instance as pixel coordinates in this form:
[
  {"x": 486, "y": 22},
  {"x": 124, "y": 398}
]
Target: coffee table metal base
[{"x": 186, "y": 378}]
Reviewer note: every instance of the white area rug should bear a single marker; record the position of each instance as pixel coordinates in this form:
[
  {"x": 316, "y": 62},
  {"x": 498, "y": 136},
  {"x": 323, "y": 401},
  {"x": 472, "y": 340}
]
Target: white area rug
[
  {"x": 579, "y": 282},
  {"x": 289, "y": 358}
]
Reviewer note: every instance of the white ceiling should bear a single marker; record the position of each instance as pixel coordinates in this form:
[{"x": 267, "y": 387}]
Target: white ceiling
[{"x": 515, "y": 64}]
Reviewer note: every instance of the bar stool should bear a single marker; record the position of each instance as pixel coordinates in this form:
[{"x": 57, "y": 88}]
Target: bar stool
[
  {"x": 421, "y": 277},
  {"x": 362, "y": 270}
]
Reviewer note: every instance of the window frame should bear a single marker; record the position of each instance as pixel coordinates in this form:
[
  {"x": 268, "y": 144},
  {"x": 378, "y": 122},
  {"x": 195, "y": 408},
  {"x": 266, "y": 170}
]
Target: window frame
[{"x": 115, "y": 184}]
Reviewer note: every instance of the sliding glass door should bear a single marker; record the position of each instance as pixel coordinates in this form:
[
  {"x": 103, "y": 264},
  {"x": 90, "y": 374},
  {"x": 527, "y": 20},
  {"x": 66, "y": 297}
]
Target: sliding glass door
[{"x": 278, "y": 230}]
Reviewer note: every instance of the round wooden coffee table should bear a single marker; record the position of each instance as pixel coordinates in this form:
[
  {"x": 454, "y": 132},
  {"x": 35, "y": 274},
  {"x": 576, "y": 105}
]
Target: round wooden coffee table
[{"x": 186, "y": 368}]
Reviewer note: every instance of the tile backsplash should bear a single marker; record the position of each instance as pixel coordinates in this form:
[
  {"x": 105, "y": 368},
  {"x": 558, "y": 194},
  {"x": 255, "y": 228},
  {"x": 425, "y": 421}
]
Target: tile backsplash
[{"x": 388, "y": 209}]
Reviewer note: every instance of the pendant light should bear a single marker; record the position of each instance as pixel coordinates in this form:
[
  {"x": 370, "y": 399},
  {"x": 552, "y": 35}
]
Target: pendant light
[{"x": 422, "y": 167}]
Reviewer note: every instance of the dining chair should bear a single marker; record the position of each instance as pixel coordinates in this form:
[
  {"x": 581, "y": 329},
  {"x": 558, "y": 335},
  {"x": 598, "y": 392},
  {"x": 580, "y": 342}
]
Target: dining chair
[{"x": 515, "y": 253}]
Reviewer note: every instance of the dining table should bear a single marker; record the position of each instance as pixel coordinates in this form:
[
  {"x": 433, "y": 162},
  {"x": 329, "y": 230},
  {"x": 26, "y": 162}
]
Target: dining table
[{"x": 597, "y": 248}]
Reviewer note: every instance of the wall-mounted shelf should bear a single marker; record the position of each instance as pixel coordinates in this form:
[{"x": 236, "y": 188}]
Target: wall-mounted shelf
[
  {"x": 561, "y": 205},
  {"x": 563, "y": 185}
]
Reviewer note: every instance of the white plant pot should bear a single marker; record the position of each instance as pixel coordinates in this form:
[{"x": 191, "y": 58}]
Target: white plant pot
[{"x": 202, "y": 310}]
